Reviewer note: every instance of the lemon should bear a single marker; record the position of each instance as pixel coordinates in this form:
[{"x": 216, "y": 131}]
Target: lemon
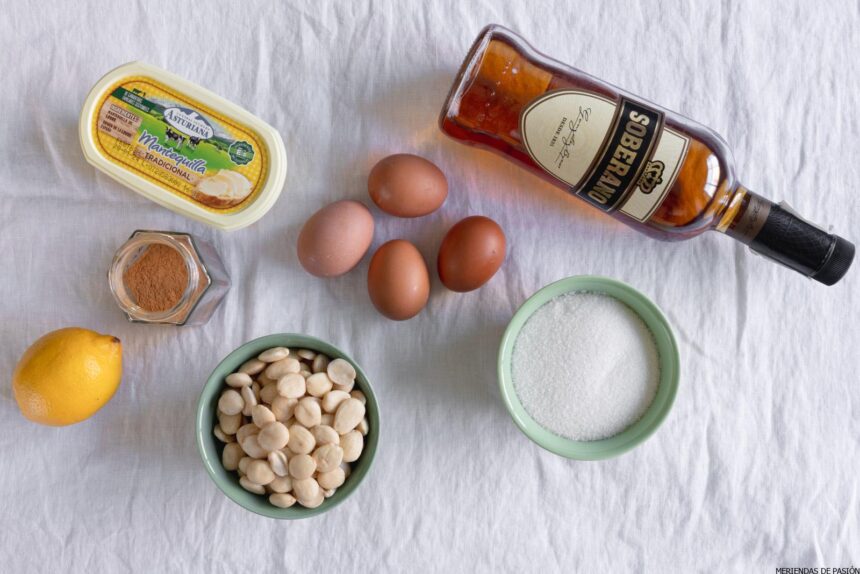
[{"x": 67, "y": 375}]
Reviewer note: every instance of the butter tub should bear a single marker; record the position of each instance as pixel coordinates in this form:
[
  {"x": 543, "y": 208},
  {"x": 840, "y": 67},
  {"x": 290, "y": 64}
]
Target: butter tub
[{"x": 182, "y": 146}]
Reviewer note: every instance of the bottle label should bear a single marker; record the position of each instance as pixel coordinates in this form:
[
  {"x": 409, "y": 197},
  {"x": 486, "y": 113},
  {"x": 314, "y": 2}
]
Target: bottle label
[
  {"x": 613, "y": 155},
  {"x": 180, "y": 145}
]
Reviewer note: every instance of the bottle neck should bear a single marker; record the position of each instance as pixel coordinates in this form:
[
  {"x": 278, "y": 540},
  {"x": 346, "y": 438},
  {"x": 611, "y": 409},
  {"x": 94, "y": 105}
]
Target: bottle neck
[
  {"x": 777, "y": 232},
  {"x": 744, "y": 216}
]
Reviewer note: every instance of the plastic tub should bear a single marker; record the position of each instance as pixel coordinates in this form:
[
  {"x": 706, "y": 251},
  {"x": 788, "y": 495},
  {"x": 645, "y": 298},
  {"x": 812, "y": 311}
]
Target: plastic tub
[{"x": 182, "y": 146}]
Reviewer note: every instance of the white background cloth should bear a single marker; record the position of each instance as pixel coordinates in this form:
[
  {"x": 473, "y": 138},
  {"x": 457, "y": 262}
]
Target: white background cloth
[{"x": 756, "y": 467}]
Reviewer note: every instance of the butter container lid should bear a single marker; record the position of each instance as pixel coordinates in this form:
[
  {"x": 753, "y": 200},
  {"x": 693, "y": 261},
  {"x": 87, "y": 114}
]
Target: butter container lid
[{"x": 183, "y": 146}]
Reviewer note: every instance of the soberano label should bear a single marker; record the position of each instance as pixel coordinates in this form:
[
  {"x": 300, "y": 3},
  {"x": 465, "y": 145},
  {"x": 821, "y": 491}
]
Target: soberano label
[{"x": 615, "y": 155}]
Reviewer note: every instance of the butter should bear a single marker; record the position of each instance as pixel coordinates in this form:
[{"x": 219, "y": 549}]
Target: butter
[{"x": 182, "y": 146}]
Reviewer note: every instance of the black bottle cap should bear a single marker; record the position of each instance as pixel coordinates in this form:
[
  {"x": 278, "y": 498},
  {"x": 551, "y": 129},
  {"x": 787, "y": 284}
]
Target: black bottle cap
[
  {"x": 837, "y": 263},
  {"x": 802, "y": 246}
]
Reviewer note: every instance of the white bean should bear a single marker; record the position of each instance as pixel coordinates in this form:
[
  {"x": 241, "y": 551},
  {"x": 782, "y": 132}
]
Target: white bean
[
  {"x": 301, "y": 440},
  {"x": 320, "y": 363},
  {"x": 245, "y": 431},
  {"x": 281, "y": 484},
  {"x": 318, "y": 384},
  {"x": 305, "y": 489},
  {"x": 306, "y": 354},
  {"x": 352, "y": 444},
  {"x": 313, "y": 502},
  {"x": 222, "y": 436},
  {"x": 283, "y": 367},
  {"x": 308, "y": 412},
  {"x": 328, "y": 457},
  {"x": 250, "y": 400},
  {"x": 260, "y": 472},
  {"x": 231, "y": 402},
  {"x": 238, "y": 380},
  {"x": 269, "y": 393},
  {"x": 250, "y": 486},
  {"x": 341, "y": 372},
  {"x": 302, "y": 466},
  {"x": 332, "y": 478},
  {"x": 230, "y": 423},
  {"x": 363, "y": 427},
  {"x": 332, "y": 399},
  {"x": 278, "y": 462},
  {"x": 348, "y": 415},
  {"x": 291, "y": 386},
  {"x": 231, "y": 456},
  {"x": 282, "y": 500},
  {"x": 274, "y": 354},
  {"x": 297, "y": 426},
  {"x": 251, "y": 446},
  {"x": 252, "y": 367},
  {"x": 273, "y": 436},
  {"x": 283, "y": 408},
  {"x": 324, "y": 434},
  {"x": 262, "y": 415},
  {"x": 264, "y": 380}
]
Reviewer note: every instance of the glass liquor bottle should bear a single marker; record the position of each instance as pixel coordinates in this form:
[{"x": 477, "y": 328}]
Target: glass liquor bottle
[{"x": 659, "y": 172}]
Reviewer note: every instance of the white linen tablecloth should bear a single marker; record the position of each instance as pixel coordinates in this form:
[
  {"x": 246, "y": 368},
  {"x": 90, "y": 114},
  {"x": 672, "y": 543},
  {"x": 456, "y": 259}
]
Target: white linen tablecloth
[{"x": 755, "y": 468}]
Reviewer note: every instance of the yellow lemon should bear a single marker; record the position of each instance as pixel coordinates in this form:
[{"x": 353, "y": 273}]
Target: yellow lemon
[{"x": 67, "y": 375}]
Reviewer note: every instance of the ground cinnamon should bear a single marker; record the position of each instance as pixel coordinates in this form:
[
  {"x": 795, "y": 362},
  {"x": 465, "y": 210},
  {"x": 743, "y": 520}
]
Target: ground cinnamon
[{"x": 157, "y": 279}]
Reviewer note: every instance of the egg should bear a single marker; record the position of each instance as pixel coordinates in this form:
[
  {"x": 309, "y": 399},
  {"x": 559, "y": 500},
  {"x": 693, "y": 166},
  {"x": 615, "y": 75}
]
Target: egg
[
  {"x": 471, "y": 253},
  {"x": 407, "y": 185},
  {"x": 398, "y": 281},
  {"x": 335, "y": 238}
]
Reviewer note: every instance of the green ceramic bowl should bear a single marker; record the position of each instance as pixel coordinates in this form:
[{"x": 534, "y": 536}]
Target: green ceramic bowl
[
  {"x": 210, "y": 448},
  {"x": 669, "y": 367}
]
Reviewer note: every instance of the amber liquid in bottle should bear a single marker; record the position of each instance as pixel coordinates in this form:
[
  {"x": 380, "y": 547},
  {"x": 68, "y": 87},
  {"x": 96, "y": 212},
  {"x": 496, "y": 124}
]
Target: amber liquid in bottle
[{"x": 661, "y": 173}]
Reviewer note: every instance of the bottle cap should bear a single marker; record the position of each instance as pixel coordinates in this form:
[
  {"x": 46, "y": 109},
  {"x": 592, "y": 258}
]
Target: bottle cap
[
  {"x": 800, "y": 245},
  {"x": 837, "y": 263}
]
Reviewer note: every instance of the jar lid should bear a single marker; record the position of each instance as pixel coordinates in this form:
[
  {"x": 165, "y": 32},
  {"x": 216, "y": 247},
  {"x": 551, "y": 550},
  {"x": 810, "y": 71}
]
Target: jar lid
[{"x": 182, "y": 146}]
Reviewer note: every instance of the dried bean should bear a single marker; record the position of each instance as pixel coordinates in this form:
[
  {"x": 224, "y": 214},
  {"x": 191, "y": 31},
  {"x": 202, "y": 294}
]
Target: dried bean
[
  {"x": 238, "y": 380},
  {"x": 332, "y": 399},
  {"x": 273, "y": 436},
  {"x": 282, "y": 500},
  {"x": 250, "y": 486},
  {"x": 231, "y": 402},
  {"x": 308, "y": 412},
  {"x": 302, "y": 466},
  {"x": 331, "y": 479},
  {"x": 274, "y": 354},
  {"x": 301, "y": 440},
  {"x": 348, "y": 415},
  {"x": 252, "y": 367}
]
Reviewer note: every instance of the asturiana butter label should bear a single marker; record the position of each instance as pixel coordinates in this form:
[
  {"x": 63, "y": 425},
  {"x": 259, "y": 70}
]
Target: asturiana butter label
[{"x": 180, "y": 145}]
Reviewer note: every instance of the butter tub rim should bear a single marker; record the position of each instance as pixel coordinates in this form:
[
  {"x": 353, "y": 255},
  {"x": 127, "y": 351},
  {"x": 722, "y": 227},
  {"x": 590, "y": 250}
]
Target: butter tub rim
[{"x": 277, "y": 165}]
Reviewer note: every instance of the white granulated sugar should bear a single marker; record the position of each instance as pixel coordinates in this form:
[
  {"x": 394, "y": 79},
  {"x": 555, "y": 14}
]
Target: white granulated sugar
[{"x": 585, "y": 366}]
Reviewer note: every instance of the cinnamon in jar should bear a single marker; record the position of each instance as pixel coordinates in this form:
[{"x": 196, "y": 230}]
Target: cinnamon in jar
[{"x": 169, "y": 278}]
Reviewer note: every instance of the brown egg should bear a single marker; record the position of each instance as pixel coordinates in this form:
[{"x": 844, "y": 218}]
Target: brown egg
[
  {"x": 335, "y": 238},
  {"x": 398, "y": 280},
  {"x": 471, "y": 253},
  {"x": 406, "y": 185}
]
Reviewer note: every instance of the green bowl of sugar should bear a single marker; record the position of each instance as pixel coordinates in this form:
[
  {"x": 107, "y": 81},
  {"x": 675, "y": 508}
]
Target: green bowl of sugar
[{"x": 588, "y": 367}]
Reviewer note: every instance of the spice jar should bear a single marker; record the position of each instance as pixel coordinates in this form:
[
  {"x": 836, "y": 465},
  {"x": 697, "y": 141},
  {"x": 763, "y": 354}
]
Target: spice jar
[{"x": 167, "y": 277}]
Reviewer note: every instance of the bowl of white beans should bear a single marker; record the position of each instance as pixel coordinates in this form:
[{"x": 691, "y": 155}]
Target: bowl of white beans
[{"x": 287, "y": 426}]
